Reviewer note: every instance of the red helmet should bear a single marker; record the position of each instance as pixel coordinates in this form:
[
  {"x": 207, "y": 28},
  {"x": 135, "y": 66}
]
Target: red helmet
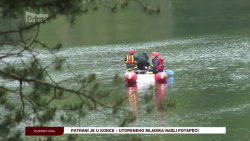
[
  {"x": 131, "y": 51},
  {"x": 155, "y": 54}
]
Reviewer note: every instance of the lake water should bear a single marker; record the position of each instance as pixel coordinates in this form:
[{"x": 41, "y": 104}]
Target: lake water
[
  {"x": 210, "y": 85},
  {"x": 206, "y": 44}
]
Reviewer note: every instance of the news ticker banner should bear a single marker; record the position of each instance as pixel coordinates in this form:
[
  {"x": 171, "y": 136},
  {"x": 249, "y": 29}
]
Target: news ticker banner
[{"x": 58, "y": 131}]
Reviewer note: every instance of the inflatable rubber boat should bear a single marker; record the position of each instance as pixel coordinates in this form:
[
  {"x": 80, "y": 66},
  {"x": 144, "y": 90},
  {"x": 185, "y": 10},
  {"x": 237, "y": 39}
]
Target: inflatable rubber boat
[{"x": 142, "y": 76}]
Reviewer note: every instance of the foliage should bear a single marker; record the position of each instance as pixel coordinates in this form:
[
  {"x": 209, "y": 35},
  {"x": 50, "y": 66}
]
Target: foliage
[{"x": 37, "y": 91}]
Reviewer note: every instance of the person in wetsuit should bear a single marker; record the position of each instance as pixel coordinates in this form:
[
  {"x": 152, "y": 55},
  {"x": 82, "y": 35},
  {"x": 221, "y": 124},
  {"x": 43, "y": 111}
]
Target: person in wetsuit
[
  {"x": 131, "y": 60},
  {"x": 143, "y": 62},
  {"x": 157, "y": 63}
]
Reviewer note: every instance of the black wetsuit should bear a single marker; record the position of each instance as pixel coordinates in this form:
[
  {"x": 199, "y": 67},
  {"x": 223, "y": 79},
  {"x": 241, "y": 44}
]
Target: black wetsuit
[{"x": 143, "y": 61}]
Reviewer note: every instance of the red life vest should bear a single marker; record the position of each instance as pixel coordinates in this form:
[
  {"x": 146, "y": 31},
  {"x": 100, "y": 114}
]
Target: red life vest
[
  {"x": 131, "y": 63},
  {"x": 160, "y": 65}
]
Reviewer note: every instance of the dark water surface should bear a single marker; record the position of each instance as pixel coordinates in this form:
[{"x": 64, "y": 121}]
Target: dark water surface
[{"x": 205, "y": 42}]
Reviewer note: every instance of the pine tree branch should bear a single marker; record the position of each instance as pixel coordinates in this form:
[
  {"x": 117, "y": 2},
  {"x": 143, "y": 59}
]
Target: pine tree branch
[
  {"x": 20, "y": 29},
  {"x": 21, "y": 95},
  {"x": 140, "y": 2},
  {"x": 27, "y": 47},
  {"x": 8, "y": 55},
  {"x": 53, "y": 98},
  {"x": 12, "y": 54},
  {"x": 16, "y": 77},
  {"x": 6, "y": 89}
]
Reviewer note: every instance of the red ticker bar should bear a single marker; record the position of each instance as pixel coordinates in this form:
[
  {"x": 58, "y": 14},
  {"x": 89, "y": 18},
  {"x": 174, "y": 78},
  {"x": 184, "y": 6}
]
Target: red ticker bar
[{"x": 44, "y": 131}]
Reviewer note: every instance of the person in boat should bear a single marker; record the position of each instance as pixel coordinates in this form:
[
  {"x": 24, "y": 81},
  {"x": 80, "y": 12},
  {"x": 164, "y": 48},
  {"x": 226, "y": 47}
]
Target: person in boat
[
  {"x": 143, "y": 62},
  {"x": 131, "y": 60},
  {"x": 157, "y": 63}
]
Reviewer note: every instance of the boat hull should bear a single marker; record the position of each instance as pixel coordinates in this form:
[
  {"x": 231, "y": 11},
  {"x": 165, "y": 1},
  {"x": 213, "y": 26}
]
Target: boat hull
[{"x": 131, "y": 77}]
